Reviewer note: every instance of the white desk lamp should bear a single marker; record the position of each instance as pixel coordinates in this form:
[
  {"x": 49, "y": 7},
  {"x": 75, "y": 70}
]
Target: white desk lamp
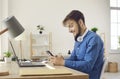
[{"x": 14, "y": 28}]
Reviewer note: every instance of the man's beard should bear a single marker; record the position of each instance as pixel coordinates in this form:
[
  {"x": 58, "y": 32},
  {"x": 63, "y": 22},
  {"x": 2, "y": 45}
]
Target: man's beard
[{"x": 79, "y": 32}]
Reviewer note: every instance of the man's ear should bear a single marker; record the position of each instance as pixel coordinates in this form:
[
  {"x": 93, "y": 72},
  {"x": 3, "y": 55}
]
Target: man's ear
[{"x": 80, "y": 22}]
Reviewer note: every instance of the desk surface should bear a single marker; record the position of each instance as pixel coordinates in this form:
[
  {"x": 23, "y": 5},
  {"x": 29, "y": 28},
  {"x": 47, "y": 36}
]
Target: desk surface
[{"x": 14, "y": 73}]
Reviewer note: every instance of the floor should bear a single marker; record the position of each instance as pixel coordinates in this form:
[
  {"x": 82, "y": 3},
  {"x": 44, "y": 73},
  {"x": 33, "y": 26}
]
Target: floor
[{"x": 112, "y": 75}]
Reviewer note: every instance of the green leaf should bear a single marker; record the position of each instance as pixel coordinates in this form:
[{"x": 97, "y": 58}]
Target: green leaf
[{"x": 7, "y": 54}]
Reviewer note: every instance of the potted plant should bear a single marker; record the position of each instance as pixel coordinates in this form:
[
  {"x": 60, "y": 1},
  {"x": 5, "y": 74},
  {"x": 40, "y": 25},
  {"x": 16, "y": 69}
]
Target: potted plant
[
  {"x": 40, "y": 28},
  {"x": 94, "y": 29},
  {"x": 7, "y": 56},
  {"x": 119, "y": 42}
]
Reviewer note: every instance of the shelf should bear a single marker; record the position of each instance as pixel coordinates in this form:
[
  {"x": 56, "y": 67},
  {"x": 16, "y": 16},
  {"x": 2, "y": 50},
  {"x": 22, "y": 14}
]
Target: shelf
[
  {"x": 41, "y": 35},
  {"x": 40, "y": 43}
]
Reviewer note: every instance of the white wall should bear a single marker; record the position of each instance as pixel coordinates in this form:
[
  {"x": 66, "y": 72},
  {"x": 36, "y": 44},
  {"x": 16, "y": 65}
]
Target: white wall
[
  {"x": 0, "y": 21},
  {"x": 3, "y": 37},
  {"x": 50, "y": 13}
]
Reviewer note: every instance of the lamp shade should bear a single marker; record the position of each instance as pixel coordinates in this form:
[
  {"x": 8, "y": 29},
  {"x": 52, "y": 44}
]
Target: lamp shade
[{"x": 13, "y": 26}]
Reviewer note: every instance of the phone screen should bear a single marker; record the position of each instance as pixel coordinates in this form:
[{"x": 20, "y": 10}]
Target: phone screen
[{"x": 49, "y": 53}]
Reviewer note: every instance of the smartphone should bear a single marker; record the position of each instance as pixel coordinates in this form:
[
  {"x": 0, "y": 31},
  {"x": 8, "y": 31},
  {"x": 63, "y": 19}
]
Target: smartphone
[{"x": 49, "y": 53}]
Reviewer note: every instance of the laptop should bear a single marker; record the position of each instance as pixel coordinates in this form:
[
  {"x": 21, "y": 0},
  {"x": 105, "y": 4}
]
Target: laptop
[{"x": 26, "y": 63}]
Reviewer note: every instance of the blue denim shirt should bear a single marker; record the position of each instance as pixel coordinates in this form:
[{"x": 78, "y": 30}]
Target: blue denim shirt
[{"x": 87, "y": 56}]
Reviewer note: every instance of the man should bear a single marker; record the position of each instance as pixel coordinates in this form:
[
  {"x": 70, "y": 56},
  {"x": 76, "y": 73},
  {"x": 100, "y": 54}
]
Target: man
[{"x": 87, "y": 55}]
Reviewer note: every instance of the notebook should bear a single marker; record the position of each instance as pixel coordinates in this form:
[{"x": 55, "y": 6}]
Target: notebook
[
  {"x": 44, "y": 71},
  {"x": 26, "y": 63}
]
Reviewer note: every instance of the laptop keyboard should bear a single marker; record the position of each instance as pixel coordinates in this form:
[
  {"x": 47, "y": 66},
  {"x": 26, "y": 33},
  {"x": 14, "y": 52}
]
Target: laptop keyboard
[
  {"x": 31, "y": 63},
  {"x": 25, "y": 63}
]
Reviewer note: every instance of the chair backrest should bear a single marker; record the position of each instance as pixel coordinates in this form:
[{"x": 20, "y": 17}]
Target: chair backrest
[{"x": 103, "y": 68}]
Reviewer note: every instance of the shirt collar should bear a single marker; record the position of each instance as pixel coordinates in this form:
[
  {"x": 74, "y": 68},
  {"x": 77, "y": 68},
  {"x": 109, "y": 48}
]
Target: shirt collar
[
  {"x": 84, "y": 33},
  {"x": 80, "y": 38}
]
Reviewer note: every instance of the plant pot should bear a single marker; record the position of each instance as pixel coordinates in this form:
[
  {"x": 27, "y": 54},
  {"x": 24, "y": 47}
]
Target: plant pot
[
  {"x": 40, "y": 32},
  {"x": 7, "y": 60}
]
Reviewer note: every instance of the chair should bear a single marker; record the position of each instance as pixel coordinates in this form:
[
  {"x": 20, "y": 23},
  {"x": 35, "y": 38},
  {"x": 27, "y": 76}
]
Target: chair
[{"x": 103, "y": 68}]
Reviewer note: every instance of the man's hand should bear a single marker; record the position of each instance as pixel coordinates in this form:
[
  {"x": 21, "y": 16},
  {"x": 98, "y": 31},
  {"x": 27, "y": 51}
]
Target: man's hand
[{"x": 57, "y": 60}]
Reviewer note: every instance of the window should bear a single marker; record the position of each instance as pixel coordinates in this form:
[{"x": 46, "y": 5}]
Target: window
[{"x": 115, "y": 24}]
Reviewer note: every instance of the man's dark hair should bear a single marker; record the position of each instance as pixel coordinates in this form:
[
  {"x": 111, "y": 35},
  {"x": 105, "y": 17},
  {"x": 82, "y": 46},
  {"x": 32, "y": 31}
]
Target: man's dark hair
[{"x": 74, "y": 15}]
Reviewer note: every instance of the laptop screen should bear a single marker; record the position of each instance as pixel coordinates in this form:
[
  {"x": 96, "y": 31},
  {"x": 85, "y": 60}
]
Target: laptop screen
[
  {"x": 26, "y": 64},
  {"x": 13, "y": 51}
]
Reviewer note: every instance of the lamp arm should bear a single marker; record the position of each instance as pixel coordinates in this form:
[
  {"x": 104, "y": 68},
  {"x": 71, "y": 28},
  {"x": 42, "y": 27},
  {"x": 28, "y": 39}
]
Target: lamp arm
[{"x": 3, "y": 31}]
